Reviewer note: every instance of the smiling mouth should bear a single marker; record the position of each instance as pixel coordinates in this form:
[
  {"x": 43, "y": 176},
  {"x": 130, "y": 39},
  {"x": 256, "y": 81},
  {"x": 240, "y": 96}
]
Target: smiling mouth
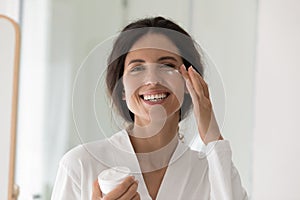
[{"x": 155, "y": 97}]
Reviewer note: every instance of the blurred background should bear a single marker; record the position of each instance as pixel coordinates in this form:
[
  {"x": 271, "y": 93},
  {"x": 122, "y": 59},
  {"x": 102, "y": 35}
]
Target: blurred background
[{"x": 255, "y": 46}]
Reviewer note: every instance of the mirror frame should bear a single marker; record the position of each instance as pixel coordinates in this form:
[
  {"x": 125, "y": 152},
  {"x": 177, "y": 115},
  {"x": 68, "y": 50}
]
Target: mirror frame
[{"x": 12, "y": 188}]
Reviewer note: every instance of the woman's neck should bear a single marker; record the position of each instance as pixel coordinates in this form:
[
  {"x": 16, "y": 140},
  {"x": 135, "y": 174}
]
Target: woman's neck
[
  {"x": 154, "y": 136},
  {"x": 155, "y": 152}
]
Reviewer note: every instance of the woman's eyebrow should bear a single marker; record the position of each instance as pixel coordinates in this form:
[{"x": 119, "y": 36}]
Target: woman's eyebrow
[
  {"x": 160, "y": 59},
  {"x": 167, "y": 58},
  {"x": 136, "y": 60}
]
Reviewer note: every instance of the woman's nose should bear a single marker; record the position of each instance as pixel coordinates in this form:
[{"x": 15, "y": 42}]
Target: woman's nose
[{"x": 153, "y": 76}]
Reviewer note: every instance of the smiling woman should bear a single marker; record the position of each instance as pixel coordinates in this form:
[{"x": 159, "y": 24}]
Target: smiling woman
[{"x": 154, "y": 77}]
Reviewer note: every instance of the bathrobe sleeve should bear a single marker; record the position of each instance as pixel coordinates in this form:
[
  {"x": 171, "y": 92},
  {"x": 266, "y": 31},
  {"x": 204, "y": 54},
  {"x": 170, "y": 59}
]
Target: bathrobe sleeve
[
  {"x": 66, "y": 184},
  {"x": 223, "y": 176}
]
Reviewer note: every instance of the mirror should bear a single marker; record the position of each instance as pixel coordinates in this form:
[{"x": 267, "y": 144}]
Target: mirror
[
  {"x": 58, "y": 36},
  {"x": 9, "y": 70}
]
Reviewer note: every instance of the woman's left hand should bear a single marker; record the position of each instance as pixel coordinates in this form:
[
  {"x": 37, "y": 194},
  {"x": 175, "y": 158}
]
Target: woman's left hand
[{"x": 198, "y": 89}]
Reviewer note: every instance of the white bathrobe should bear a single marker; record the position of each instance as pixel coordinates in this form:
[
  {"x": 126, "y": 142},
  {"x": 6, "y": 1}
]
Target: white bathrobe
[{"x": 208, "y": 175}]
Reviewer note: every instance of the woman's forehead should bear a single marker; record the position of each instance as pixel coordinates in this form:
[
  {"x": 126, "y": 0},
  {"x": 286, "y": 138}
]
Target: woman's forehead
[
  {"x": 152, "y": 55},
  {"x": 155, "y": 41}
]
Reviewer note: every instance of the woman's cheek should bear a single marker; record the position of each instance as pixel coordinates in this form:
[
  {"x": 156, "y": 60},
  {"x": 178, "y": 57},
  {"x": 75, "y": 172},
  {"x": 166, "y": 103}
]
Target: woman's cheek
[
  {"x": 176, "y": 84},
  {"x": 131, "y": 85}
]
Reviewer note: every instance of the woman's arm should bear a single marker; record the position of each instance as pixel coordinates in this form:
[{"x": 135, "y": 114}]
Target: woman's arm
[
  {"x": 223, "y": 176},
  {"x": 65, "y": 186}
]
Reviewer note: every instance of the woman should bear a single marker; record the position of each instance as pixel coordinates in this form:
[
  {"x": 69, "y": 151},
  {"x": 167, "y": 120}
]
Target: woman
[{"x": 154, "y": 77}]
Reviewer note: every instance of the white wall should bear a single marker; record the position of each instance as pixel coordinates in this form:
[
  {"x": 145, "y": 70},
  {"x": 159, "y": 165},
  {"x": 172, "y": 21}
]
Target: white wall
[
  {"x": 276, "y": 162},
  {"x": 10, "y": 9},
  {"x": 31, "y": 106},
  {"x": 177, "y": 10},
  {"x": 227, "y": 30}
]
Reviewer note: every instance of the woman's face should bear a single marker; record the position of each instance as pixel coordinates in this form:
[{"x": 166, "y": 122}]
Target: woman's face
[{"x": 154, "y": 88}]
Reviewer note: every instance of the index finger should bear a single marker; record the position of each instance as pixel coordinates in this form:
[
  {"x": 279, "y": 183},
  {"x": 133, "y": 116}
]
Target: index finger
[{"x": 184, "y": 72}]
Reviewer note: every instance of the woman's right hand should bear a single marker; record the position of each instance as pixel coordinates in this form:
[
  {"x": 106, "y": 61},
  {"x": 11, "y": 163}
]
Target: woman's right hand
[{"x": 127, "y": 190}]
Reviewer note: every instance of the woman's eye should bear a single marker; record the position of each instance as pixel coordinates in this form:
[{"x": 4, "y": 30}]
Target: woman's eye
[
  {"x": 168, "y": 66},
  {"x": 137, "y": 68}
]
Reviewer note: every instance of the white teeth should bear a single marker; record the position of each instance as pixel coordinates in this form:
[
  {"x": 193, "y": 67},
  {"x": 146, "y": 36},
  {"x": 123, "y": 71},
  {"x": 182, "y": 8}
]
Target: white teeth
[{"x": 155, "y": 97}]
